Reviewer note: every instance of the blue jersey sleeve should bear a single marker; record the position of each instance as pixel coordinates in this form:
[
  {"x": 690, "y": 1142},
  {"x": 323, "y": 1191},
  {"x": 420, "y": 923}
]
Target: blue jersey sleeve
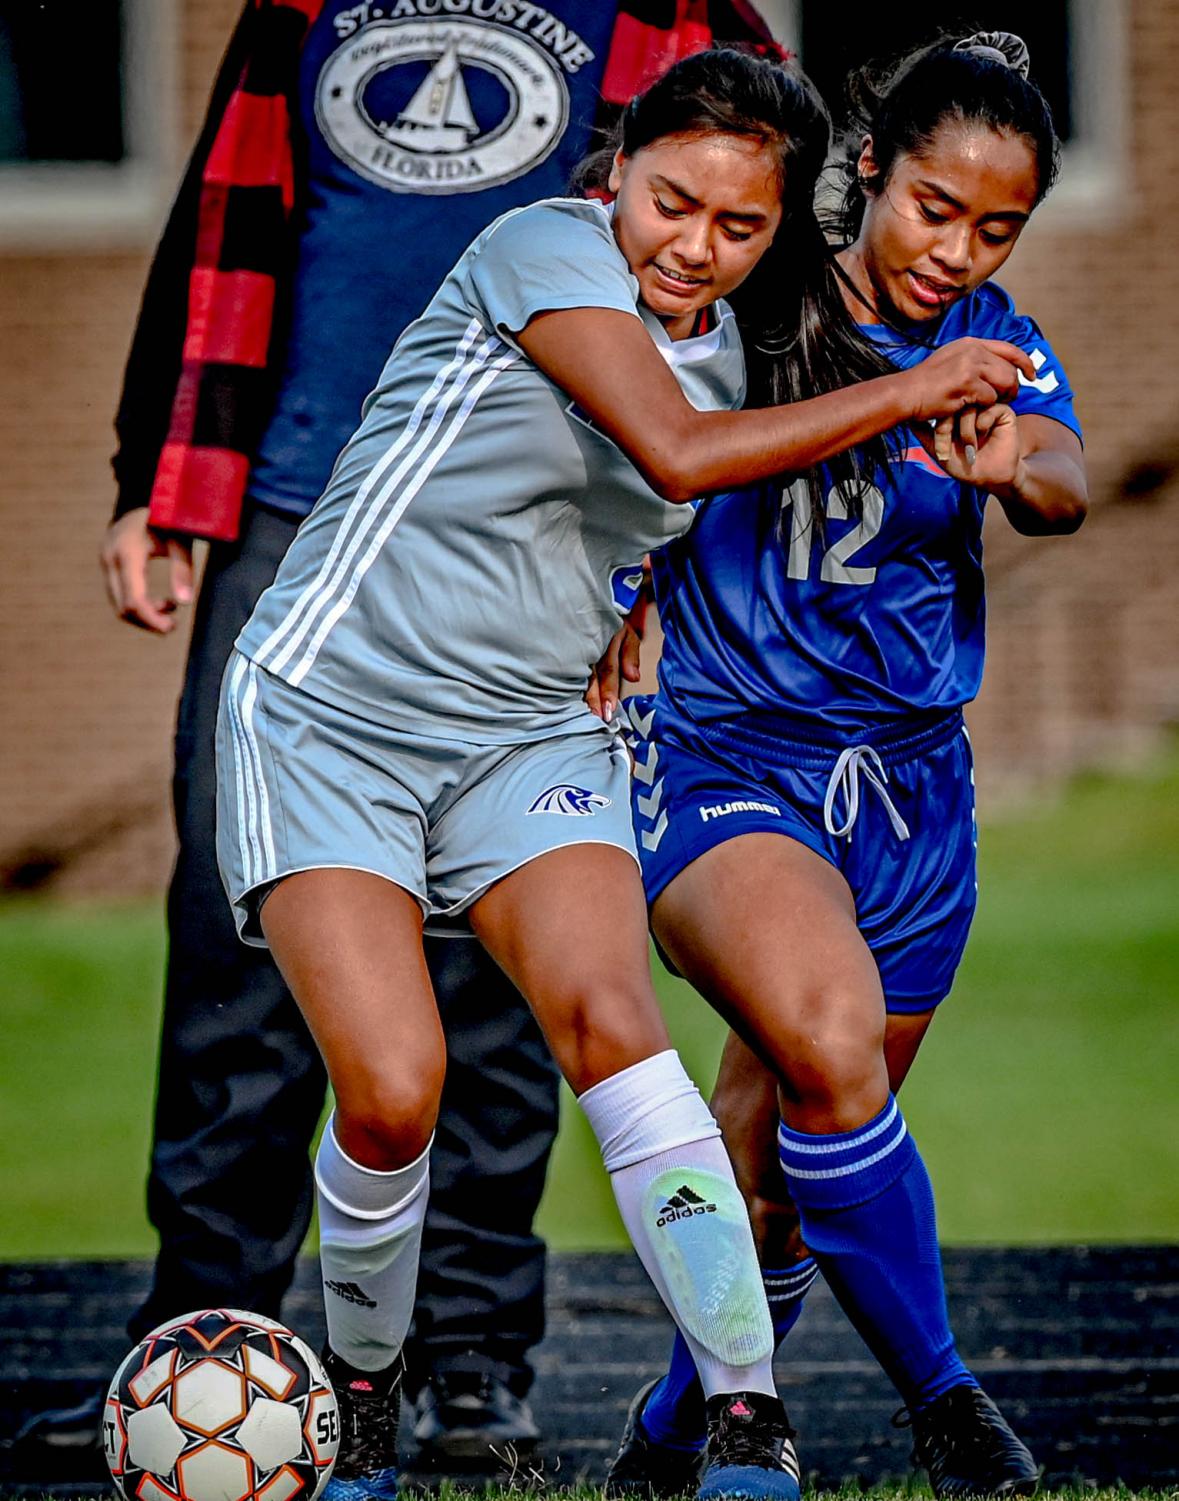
[
  {"x": 1049, "y": 393},
  {"x": 550, "y": 255}
]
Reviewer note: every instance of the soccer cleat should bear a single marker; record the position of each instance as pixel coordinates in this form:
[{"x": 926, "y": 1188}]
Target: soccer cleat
[
  {"x": 370, "y": 1408},
  {"x": 643, "y": 1467},
  {"x": 471, "y": 1420},
  {"x": 968, "y": 1449},
  {"x": 750, "y": 1454}
]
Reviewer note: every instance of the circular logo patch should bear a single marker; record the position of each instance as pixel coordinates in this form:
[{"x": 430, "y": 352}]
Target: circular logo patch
[{"x": 447, "y": 106}]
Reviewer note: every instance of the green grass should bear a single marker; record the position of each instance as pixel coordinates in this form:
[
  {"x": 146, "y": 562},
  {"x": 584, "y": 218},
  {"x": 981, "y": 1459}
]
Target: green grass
[
  {"x": 907, "y": 1492},
  {"x": 1045, "y": 1098}
]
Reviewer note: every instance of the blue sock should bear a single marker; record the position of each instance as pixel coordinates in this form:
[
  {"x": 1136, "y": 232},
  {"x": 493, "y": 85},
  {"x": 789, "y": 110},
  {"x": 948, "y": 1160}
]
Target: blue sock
[
  {"x": 673, "y": 1415},
  {"x": 866, "y": 1206}
]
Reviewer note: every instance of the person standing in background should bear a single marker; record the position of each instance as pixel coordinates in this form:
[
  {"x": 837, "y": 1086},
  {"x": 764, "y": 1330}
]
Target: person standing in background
[{"x": 349, "y": 153}]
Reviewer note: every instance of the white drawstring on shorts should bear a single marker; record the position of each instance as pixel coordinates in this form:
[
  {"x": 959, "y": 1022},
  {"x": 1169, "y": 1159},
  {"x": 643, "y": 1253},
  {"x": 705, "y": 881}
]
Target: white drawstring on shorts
[{"x": 845, "y": 778}]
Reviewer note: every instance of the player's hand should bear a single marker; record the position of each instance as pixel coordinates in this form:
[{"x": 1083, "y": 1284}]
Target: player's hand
[
  {"x": 966, "y": 373},
  {"x": 980, "y": 448},
  {"x": 127, "y": 548},
  {"x": 619, "y": 663}
]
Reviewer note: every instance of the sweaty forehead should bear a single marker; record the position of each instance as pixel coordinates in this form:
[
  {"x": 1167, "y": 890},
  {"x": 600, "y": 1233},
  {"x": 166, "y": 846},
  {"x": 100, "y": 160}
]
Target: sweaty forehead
[
  {"x": 717, "y": 164},
  {"x": 989, "y": 170}
]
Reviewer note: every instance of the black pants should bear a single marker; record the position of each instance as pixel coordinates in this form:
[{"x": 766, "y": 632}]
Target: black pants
[{"x": 241, "y": 1085}]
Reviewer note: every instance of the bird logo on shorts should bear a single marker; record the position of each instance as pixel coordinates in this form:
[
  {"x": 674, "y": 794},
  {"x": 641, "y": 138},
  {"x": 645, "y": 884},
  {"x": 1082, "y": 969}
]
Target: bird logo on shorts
[{"x": 573, "y": 802}]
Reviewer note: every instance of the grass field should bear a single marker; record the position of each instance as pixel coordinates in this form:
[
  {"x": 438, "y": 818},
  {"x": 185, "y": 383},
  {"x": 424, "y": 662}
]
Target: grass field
[
  {"x": 914, "y": 1492},
  {"x": 1045, "y": 1100}
]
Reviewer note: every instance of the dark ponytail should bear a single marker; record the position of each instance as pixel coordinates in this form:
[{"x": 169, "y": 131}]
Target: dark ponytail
[
  {"x": 977, "y": 80},
  {"x": 800, "y": 340}
]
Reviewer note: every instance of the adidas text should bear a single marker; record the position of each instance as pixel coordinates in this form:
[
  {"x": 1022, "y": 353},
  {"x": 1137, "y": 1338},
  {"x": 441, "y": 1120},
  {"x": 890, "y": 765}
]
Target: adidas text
[
  {"x": 683, "y": 1214},
  {"x": 351, "y": 1292}
]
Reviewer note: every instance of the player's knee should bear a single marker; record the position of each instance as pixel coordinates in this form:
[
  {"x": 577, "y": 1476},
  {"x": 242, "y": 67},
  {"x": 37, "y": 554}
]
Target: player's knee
[
  {"x": 833, "y": 1066},
  {"x": 603, "y": 1027},
  {"x": 388, "y": 1120}
]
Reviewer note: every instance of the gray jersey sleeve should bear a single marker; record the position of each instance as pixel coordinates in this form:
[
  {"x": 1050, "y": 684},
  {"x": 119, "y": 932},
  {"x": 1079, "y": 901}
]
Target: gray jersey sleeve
[{"x": 545, "y": 257}]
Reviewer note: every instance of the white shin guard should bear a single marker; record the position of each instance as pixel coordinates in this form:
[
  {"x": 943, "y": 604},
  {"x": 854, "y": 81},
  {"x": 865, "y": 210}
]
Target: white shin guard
[
  {"x": 681, "y": 1205},
  {"x": 370, "y": 1234}
]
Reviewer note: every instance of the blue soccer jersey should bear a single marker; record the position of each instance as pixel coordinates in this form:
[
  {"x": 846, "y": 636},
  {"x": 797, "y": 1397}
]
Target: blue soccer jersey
[{"x": 859, "y": 621}]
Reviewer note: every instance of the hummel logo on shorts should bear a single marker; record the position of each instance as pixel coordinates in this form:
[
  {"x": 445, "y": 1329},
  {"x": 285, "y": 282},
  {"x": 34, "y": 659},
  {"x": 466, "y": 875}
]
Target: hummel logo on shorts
[
  {"x": 681, "y": 1205},
  {"x": 738, "y": 805},
  {"x": 351, "y": 1292}
]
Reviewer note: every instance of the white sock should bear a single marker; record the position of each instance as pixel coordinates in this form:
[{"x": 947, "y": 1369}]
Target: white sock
[
  {"x": 680, "y": 1203},
  {"x": 370, "y": 1234}
]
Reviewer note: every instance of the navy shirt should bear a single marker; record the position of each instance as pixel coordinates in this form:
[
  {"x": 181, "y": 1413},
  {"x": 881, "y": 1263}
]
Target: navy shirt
[
  {"x": 423, "y": 122},
  {"x": 868, "y": 621}
]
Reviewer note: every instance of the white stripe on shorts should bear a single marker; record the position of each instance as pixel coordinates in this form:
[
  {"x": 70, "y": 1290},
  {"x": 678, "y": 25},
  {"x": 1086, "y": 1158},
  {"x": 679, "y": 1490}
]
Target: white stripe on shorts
[
  {"x": 251, "y": 854},
  {"x": 255, "y": 838}
]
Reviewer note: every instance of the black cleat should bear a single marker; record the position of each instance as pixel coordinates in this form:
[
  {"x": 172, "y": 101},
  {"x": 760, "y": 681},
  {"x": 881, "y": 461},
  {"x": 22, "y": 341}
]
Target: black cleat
[
  {"x": 968, "y": 1449},
  {"x": 750, "y": 1454},
  {"x": 643, "y": 1467},
  {"x": 370, "y": 1408},
  {"x": 76, "y": 1429},
  {"x": 472, "y": 1421}
]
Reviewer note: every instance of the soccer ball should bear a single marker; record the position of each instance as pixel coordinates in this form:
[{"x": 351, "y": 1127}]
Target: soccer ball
[{"x": 221, "y": 1406}]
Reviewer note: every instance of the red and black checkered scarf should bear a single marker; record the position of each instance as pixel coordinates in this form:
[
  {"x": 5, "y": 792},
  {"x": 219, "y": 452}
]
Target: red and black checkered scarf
[{"x": 246, "y": 196}]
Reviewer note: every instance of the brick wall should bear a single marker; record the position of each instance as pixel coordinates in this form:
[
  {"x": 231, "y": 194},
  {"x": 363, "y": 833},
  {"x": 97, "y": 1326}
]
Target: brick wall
[{"x": 1084, "y": 634}]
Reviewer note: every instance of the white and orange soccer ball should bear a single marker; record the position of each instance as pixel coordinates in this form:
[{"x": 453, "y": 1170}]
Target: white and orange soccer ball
[{"x": 221, "y": 1406}]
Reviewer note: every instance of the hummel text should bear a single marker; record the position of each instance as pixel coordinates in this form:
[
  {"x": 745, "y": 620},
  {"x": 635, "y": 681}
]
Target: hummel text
[{"x": 738, "y": 805}]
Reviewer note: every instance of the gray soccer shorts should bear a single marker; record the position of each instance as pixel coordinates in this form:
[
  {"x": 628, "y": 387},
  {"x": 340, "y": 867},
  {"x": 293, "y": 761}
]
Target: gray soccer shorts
[{"x": 303, "y": 785}]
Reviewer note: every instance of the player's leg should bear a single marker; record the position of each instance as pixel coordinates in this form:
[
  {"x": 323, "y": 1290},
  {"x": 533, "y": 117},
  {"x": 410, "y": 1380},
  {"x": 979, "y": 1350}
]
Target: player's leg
[
  {"x": 666, "y": 1431},
  {"x": 480, "y": 1299},
  {"x": 549, "y": 924},
  {"x": 915, "y": 901},
  {"x": 766, "y": 929},
  {"x": 348, "y": 944},
  {"x": 662, "y": 1445}
]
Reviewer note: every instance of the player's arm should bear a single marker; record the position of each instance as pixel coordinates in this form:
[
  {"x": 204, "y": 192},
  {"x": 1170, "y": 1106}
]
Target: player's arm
[
  {"x": 608, "y": 363},
  {"x": 1033, "y": 465},
  {"x": 1049, "y": 492}
]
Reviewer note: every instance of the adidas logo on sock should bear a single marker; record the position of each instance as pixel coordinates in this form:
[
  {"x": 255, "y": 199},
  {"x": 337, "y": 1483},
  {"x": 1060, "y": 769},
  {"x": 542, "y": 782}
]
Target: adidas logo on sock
[
  {"x": 682, "y": 1204},
  {"x": 351, "y": 1292}
]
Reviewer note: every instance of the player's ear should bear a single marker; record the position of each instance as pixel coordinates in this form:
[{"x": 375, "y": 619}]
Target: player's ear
[
  {"x": 866, "y": 169},
  {"x": 614, "y": 181}
]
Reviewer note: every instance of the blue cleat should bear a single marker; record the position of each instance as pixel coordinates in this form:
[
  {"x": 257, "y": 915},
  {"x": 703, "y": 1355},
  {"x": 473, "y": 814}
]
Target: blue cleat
[
  {"x": 750, "y": 1454},
  {"x": 370, "y": 1409},
  {"x": 381, "y": 1485}
]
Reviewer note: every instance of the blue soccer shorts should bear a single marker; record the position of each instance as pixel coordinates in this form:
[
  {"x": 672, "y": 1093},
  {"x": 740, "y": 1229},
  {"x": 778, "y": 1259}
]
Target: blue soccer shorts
[{"x": 894, "y": 814}]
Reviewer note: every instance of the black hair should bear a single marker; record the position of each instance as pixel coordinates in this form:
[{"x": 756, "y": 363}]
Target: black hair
[
  {"x": 800, "y": 340},
  {"x": 976, "y": 80}
]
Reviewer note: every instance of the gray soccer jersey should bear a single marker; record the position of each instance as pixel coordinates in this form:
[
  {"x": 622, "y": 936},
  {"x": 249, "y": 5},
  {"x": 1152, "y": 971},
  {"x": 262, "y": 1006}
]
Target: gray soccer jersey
[{"x": 459, "y": 570}]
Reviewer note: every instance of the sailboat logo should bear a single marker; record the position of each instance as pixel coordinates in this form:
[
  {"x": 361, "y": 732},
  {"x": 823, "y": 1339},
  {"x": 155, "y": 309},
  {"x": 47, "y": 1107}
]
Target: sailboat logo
[
  {"x": 438, "y": 117},
  {"x": 450, "y": 106}
]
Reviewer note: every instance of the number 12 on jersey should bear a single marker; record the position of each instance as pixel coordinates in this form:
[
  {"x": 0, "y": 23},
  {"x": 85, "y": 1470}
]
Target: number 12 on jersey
[{"x": 835, "y": 567}]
